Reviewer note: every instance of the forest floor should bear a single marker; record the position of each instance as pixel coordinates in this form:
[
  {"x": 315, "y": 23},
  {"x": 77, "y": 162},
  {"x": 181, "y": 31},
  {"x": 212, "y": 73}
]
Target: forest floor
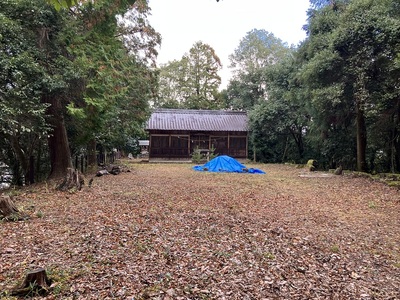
[{"x": 164, "y": 231}]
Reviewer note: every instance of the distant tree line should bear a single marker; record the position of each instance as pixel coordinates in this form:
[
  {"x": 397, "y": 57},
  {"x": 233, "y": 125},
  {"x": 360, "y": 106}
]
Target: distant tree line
[
  {"x": 83, "y": 79},
  {"x": 334, "y": 98}
]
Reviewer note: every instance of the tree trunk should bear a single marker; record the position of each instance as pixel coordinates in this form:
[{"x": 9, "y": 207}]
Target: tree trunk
[
  {"x": 73, "y": 180},
  {"x": 38, "y": 159},
  {"x": 20, "y": 155},
  {"x": 286, "y": 148},
  {"x": 396, "y": 139},
  {"x": 92, "y": 158},
  {"x": 298, "y": 138},
  {"x": 31, "y": 174},
  {"x": 361, "y": 138},
  {"x": 60, "y": 155}
]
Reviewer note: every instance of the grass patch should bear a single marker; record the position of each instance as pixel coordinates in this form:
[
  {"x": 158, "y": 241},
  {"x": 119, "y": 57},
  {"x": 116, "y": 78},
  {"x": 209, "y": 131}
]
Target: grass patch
[{"x": 335, "y": 249}]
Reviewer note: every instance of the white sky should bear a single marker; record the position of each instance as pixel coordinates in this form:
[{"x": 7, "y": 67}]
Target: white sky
[{"x": 223, "y": 24}]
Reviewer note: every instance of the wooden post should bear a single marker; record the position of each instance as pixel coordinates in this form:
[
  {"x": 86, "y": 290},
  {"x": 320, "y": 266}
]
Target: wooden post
[
  {"x": 31, "y": 170},
  {"x": 39, "y": 154},
  {"x": 229, "y": 144}
]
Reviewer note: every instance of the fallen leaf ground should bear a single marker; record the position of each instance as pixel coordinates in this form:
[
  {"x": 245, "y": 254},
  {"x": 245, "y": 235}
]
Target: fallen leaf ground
[{"x": 164, "y": 231}]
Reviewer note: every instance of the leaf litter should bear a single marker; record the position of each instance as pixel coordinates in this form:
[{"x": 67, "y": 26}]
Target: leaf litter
[{"x": 164, "y": 231}]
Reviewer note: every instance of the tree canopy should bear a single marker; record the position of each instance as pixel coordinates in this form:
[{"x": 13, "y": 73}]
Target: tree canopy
[
  {"x": 83, "y": 59},
  {"x": 191, "y": 82},
  {"x": 335, "y": 97},
  {"x": 257, "y": 51},
  {"x": 350, "y": 49}
]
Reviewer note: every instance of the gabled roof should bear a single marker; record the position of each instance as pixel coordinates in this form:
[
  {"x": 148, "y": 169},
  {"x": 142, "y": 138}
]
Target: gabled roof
[{"x": 197, "y": 120}]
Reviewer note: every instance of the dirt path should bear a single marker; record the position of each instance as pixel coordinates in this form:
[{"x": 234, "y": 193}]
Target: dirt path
[{"x": 167, "y": 232}]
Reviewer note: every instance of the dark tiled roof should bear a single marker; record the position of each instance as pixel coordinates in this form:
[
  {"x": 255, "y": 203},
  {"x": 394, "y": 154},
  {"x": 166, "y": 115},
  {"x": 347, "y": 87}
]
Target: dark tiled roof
[{"x": 197, "y": 120}]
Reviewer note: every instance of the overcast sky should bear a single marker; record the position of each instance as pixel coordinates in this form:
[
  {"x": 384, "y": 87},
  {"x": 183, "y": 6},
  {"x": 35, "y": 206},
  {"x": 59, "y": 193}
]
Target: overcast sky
[{"x": 223, "y": 24}]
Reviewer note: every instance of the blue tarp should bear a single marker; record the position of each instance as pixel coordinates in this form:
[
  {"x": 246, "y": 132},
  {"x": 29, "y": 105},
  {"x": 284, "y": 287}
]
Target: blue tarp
[{"x": 226, "y": 163}]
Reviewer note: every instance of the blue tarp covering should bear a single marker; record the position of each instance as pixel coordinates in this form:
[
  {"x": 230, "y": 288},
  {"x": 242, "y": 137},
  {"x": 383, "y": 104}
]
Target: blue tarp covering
[{"x": 226, "y": 163}]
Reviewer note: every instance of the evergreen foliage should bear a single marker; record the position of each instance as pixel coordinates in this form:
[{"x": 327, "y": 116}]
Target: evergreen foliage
[
  {"x": 349, "y": 64},
  {"x": 191, "y": 82},
  {"x": 81, "y": 59},
  {"x": 334, "y": 98}
]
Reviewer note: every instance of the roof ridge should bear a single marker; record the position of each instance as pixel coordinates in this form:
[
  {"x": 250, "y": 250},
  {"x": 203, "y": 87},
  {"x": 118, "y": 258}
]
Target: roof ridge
[{"x": 198, "y": 111}]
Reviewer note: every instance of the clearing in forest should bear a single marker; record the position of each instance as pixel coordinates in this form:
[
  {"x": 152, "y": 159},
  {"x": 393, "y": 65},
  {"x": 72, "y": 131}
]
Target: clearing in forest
[{"x": 164, "y": 231}]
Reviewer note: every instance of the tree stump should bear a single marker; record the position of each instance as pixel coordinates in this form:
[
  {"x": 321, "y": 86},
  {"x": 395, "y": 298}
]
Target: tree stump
[
  {"x": 8, "y": 211},
  {"x": 7, "y": 207},
  {"x": 73, "y": 179},
  {"x": 338, "y": 171},
  {"x": 312, "y": 165},
  {"x": 36, "y": 283}
]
